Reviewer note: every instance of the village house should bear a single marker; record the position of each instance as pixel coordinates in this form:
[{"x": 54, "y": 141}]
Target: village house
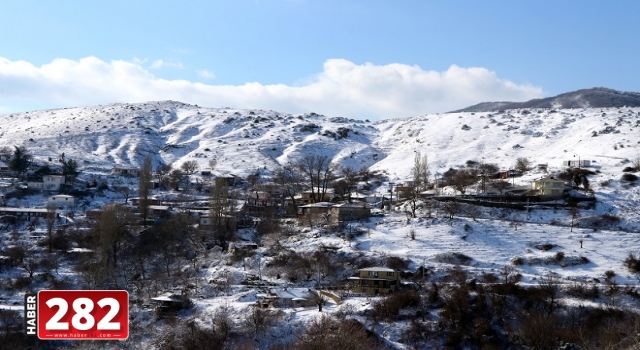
[
  {"x": 62, "y": 200},
  {"x": 135, "y": 201},
  {"x": 125, "y": 171},
  {"x": 24, "y": 214},
  {"x": 230, "y": 222},
  {"x": 581, "y": 163},
  {"x": 168, "y": 304},
  {"x": 4, "y": 168},
  {"x": 158, "y": 211},
  {"x": 307, "y": 197},
  {"x": 321, "y": 208},
  {"x": 376, "y": 280},
  {"x": 50, "y": 183},
  {"x": 342, "y": 212},
  {"x": 5, "y": 156},
  {"x": 548, "y": 187},
  {"x": 288, "y": 297}
]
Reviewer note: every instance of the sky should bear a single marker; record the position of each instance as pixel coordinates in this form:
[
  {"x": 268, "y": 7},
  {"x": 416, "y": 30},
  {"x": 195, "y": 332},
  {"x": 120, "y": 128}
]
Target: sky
[{"x": 364, "y": 59}]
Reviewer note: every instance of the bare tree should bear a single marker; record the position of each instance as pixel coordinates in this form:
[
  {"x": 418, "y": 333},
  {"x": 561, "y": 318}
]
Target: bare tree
[
  {"x": 318, "y": 173},
  {"x": 189, "y": 167},
  {"x": 144, "y": 188},
  {"x": 522, "y": 164},
  {"x": 125, "y": 191},
  {"x": 212, "y": 163},
  {"x": 462, "y": 179},
  {"x": 318, "y": 299},
  {"x": 291, "y": 181},
  {"x": 420, "y": 171},
  {"x": 176, "y": 178},
  {"x": 259, "y": 320},
  {"x": 348, "y": 175},
  {"x": 162, "y": 173},
  {"x": 219, "y": 205},
  {"x": 30, "y": 265},
  {"x": 113, "y": 230},
  {"x": 50, "y": 220},
  {"x": 451, "y": 208},
  {"x": 574, "y": 212}
]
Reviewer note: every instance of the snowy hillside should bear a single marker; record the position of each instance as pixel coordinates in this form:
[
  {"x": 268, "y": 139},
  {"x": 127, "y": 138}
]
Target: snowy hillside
[
  {"x": 536, "y": 243},
  {"x": 242, "y": 140}
]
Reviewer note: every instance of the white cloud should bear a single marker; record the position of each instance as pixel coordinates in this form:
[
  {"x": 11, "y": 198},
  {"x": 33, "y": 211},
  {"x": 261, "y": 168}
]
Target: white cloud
[
  {"x": 159, "y": 64},
  {"x": 343, "y": 88},
  {"x": 207, "y": 74}
]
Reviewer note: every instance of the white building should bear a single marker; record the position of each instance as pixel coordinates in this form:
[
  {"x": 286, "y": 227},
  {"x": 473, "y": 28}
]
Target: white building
[{"x": 61, "y": 200}]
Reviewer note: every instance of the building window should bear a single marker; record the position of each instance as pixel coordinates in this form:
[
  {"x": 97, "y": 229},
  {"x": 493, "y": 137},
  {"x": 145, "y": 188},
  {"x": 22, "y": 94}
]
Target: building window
[{"x": 389, "y": 274}]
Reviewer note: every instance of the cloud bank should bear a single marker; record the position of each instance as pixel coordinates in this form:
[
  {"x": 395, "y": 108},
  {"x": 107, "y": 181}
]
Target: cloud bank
[{"x": 343, "y": 88}]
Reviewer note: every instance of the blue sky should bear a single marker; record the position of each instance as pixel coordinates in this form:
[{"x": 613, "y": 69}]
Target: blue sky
[{"x": 361, "y": 59}]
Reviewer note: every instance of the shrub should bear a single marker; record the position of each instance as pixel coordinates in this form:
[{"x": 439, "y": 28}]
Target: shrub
[
  {"x": 632, "y": 263},
  {"x": 559, "y": 256},
  {"x": 583, "y": 290},
  {"x": 629, "y": 177},
  {"x": 391, "y": 305},
  {"x": 397, "y": 263}
]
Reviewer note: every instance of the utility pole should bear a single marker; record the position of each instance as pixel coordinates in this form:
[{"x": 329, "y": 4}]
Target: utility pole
[
  {"x": 391, "y": 193},
  {"x": 259, "y": 272}
]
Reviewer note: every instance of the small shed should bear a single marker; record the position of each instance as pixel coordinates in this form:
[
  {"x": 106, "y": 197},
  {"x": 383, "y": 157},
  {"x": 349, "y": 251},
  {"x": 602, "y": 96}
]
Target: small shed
[
  {"x": 166, "y": 304},
  {"x": 61, "y": 200}
]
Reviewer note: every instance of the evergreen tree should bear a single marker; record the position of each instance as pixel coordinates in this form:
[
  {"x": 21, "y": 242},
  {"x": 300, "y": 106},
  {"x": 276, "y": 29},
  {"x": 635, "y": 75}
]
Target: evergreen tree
[
  {"x": 69, "y": 167},
  {"x": 20, "y": 161}
]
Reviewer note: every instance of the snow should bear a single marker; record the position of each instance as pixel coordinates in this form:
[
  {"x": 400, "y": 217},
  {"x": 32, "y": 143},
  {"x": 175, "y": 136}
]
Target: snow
[{"x": 243, "y": 141}]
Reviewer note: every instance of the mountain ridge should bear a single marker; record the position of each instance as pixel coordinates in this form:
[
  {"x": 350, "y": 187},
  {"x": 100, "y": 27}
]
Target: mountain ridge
[{"x": 598, "y": 97}]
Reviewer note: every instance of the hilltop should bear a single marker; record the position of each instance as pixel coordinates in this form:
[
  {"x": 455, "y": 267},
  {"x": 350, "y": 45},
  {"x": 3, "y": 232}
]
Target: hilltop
[{"x": 585, "y": 98}]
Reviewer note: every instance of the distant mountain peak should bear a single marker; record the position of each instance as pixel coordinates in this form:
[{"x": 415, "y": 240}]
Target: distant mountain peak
[{"x": 598, "y": 97}]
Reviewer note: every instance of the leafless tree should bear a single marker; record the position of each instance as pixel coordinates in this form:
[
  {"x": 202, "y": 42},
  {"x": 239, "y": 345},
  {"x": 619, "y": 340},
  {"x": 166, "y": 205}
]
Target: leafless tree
[
  {"x": 318, "y": 173},
  {"x": 30, "y": 265},
  {"x": 144, "y": 188},
  {"x": 212, "y": 163},
  {"x": 176, "y": 178},
  {"x": 500, "y": 185},
  {"x": 50, "y": 220},
  {"x": 462, "y": 179},
  {"x": 291, "y": 181},
  {"x": 220, "y": 208},
  {"x": 420, "y": 171},
  {"x": 319, "y": 299},
  {"x": 349, "y": 176},
  {"x": 189, "y": 167},
  {"x": 451, "y": 208},
  {"x": 574, "y": 212},
  {"x": 522, "y": 164},
  {"x": 259, "y": 320},
  {"x": 125, "y": 191},
  {"x": 162, "y": 174},
  {"x": 113, "y": 230}
]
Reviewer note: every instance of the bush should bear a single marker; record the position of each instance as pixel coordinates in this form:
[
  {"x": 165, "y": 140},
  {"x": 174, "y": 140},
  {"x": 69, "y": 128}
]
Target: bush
[
  {"x": 397, "y": 263},
  {"x": 629, "y": 177},
  {"x": 583, "y": 290},
  {"x": 632, "y": 263},
  {"x": 391, "y": 305}
]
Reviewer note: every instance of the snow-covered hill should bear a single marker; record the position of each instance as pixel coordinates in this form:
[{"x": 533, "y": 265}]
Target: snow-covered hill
[{"x": 242, "y": 141}]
